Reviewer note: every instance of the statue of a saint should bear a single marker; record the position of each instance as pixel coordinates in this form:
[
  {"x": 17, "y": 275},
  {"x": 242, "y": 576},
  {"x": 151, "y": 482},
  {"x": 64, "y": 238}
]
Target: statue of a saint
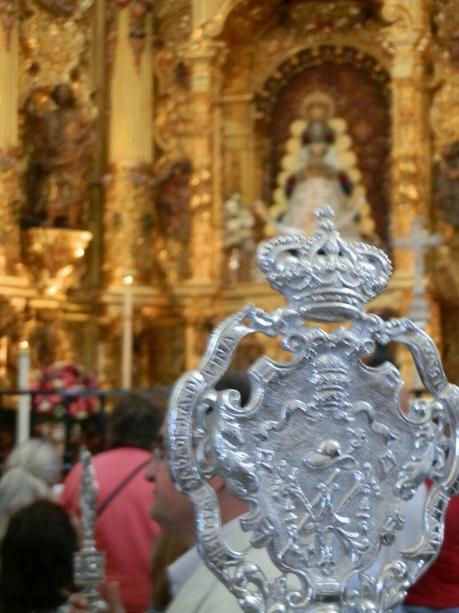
[{"x": 63, "y": 147}]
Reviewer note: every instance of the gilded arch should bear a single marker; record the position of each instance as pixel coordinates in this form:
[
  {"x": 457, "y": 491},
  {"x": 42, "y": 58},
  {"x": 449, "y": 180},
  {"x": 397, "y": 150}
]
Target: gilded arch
[{"x": 341, "y": 72}]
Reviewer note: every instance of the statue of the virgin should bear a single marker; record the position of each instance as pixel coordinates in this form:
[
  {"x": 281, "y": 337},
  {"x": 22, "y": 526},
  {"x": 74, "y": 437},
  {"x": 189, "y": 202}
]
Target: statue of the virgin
[{"x": 319, "y": 168}]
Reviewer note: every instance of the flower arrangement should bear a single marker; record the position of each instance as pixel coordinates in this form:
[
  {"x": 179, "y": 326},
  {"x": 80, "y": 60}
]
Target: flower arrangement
[{"x": 60, "y": 378}]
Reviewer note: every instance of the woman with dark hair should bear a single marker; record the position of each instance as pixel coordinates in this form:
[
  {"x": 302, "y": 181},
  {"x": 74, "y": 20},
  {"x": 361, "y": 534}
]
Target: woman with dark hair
[{"x": 36, "y": 572}]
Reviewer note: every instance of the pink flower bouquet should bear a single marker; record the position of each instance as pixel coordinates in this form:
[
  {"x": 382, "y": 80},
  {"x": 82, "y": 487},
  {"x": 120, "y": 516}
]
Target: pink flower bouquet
[{"x": 60, "y": 377}]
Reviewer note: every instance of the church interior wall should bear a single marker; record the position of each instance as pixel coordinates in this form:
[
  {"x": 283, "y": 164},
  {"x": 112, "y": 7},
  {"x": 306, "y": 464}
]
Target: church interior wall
[{"x": 225, "y": 81}]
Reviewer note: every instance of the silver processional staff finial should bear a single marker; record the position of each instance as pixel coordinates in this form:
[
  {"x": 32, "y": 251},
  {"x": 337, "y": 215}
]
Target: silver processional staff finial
[
  {"x": 88, "y": 563},
  {"x": 322, "y": 452}
]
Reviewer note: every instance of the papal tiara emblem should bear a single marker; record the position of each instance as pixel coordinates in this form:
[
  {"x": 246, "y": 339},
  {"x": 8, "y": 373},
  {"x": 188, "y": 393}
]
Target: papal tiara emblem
[{"x": 322, "y": 453}]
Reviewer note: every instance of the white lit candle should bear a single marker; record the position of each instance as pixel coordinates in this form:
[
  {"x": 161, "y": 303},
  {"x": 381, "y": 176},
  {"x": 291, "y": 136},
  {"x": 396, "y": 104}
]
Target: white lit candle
[
  {"x": 23, "y": 411},
  {"x": 126, "y": 346}
]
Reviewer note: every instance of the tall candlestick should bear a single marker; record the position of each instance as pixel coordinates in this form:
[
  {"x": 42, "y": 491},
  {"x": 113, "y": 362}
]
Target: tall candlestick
[
  {"x": 126, "y": 348},
  {"x": 23, "y": 410}
]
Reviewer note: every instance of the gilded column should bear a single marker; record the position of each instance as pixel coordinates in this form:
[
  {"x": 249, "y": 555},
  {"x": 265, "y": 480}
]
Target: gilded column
[
  {"x": 408, "y": 38},
  {"x": 128, "y": 193},
  {"x": 238, "y": 130},
  {"x": 205, "y": 241},
  {"x": 205, "y": 248},
  {"x": 9, "y": 139}
]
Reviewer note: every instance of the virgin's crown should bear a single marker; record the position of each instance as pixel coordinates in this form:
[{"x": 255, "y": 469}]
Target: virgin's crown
[{"x": 323, "y": 276}]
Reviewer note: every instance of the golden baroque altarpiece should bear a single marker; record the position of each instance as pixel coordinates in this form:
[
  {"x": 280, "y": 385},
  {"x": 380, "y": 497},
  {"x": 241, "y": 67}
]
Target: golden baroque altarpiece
[{"x": 162, "y": 139}]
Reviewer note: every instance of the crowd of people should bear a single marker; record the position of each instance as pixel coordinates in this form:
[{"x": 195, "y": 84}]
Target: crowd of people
[{"x": 144, "y": 526}]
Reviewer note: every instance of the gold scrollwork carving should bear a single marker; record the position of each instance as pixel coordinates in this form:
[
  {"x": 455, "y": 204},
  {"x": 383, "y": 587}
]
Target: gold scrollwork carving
[
  {"x": 41, "y": 33},
  {"x": 127, "y": 222},
  {"x": 9, "y": 211}
]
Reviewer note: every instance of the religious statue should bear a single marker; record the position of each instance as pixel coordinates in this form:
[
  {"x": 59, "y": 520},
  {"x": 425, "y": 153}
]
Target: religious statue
[
  {"x": 317, "y": 180},
  {"x": 318, "y": 169},
  {"x": 63, "y": 145},
  {"x": 447, "y": 183},
  {"x": 238, "y": 239}
]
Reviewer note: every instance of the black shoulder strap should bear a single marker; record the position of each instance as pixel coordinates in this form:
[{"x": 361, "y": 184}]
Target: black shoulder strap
[{"x": 121, "y": 486}]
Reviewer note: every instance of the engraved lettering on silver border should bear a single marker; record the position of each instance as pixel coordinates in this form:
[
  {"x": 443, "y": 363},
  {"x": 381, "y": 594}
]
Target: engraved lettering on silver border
[{"x": 322, "y": 453}]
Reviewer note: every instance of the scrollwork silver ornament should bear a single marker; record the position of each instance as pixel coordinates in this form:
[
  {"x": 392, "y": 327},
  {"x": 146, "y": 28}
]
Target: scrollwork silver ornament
[
  {"x": 322, "y": 453},
  {"x": 88, "y": 562}
]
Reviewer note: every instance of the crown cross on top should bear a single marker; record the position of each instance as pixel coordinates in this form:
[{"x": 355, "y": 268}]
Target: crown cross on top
[{"x": 323, "y": 276}]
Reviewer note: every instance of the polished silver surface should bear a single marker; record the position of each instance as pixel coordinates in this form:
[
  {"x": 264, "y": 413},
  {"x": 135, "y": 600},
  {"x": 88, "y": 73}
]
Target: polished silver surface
[
  {"x": 88, "y": 563},
  {"x": 322, "y": 453}
]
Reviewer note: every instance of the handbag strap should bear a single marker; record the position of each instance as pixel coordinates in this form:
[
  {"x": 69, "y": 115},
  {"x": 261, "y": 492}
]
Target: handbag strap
[{"x": 114, "y": 493}]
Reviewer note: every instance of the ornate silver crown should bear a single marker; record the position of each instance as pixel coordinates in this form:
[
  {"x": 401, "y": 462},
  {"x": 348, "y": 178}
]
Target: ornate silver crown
[
  {"x": 324, "y": 276},
  {"x": 322, "y": 453}
]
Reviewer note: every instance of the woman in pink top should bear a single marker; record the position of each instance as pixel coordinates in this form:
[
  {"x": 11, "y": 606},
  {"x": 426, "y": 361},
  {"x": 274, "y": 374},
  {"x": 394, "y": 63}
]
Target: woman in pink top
[{"x": 124, "y": 528}]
